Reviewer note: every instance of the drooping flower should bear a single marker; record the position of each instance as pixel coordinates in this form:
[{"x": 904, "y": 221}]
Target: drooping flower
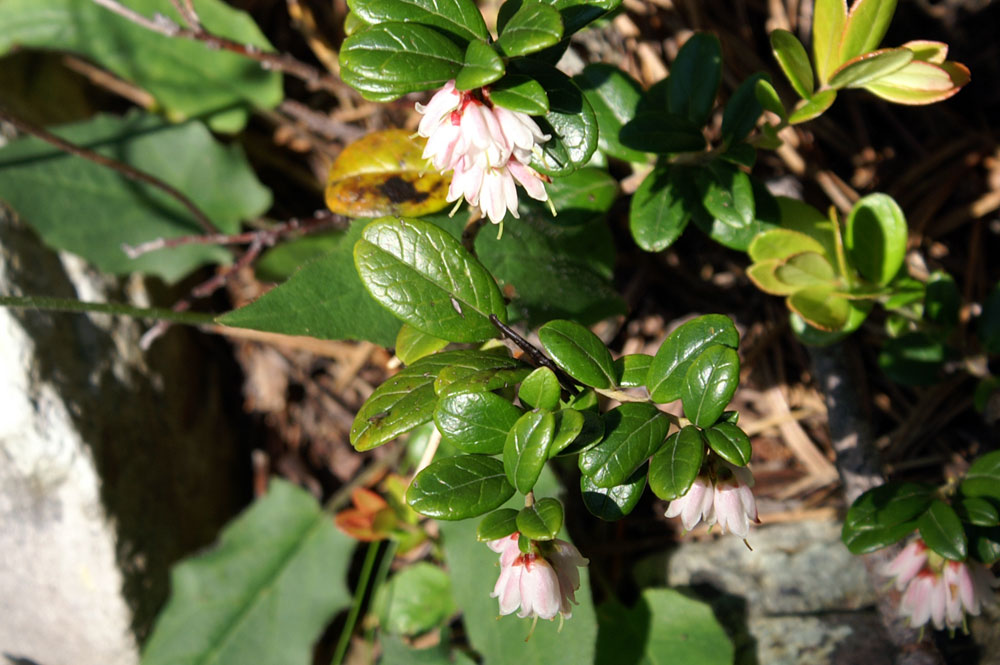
[
  {"x": 722, "y": 496},
  {"x": 697, "y": 505},
  {"x": 486, "y": 147},
  {"x": 542, "y": 582}
]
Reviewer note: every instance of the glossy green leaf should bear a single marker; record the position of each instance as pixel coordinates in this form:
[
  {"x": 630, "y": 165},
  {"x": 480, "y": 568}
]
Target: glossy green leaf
[
  {"x": 741, "y": 154},
  {"x": 791, "y": 55},
  {"x": 475, "y": 422},
  {"x": 730, "y": 443},
  {"x": 709, "y": 384},
  {"x": 805, "y": 269},
  {"x": 921, "y": 83},
  {"x": 662, "y": 133},
  {"x": 614, "y": 96},
  {"x": 533, "y": 27},
  {"x": 674, "y": 468},
  {"x": 414, "y": 600},
  {"x": 915, "y": 359},
  {"x": 590, "y": 434},
  {"x": 613, "y": 503},
  {"x": 694, "y": 78},
  {"x": 633, "y": 432},
  {"x": 471, "y": 364},
  {"x": 977, "y": 511},
  {"x": 798, "y": 216},
  {"x": 540, "y": 390},
  {"x": 520, "y": 93},
  {"x": 569, "y": 425},
  {"x": 661, "y": 207},
  {"x": 486, "y": 380},
  {"x": 459, "y": 18},
  {"x": 682, "y": 346},
  {"x": 983, "y": 477},
  {"x": 424, "y": 276},
  {"x": 498, "y": 524},
  {"x": 633, "y": 369},
  {"x": 459, "y": 487},
  {"x": 542, "y": 520},
  {"x": 866, "y": 25},
  {"x": 829, "y": 18},
  {"x": 768, "y": 98},
  {"x": 941, "y": 529},
  {"x": 305, "y": 305},
  {"x": 765, "y": 216},
  {"x": 876, "y": 237},
  {"x": 763, "y": 276},
  {"x": 885, "y": 514},
  {"x": 578, "y": 352},
  {"x": 863, "y": 541},
  {"x": 388, "y": 60},
  {"x": 90, "y": 210},
  {"x": 263, "y": 593},
  {"x": 811, "y": 109},
  {"x": 727, "y": 194},
  {"x": 742, "y": 110},
  {"x": 412, "y": 344},
  {"x": 821, "y": 307},
  {"x": 188, "y": 78},
  {"x": 527, "y": 449},
  {"x": 583, "y": 197},
  {"x": 984, "y": 544},
  {"x": 869, "y": 67},
  {"x": 482, "y": 66},
  {"x": 781, "y": 244}
]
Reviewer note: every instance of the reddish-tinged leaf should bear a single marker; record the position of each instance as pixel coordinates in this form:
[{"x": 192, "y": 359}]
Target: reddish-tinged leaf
[
  {"x": 928, "y": 51},
  {"x": 921, "y": 83}
]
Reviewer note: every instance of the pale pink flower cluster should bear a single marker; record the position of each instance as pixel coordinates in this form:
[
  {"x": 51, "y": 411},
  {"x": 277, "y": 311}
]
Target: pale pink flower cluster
[
  {"x": 486, "y": 147},
  {"x": 939, "y": 590},
  {"x": 726, "y": 501},
  {"x": 542, "y": 584}
]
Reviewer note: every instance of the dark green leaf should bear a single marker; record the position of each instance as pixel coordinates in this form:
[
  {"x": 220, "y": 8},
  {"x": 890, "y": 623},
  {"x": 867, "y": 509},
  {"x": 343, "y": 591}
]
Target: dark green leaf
[
  {"x": 743, "y": 110},
  {"x": 633, "y": 432},
  {"x": 977, "y": 511},
  {"x": 661, "y": 207},
  {"x": 766, "y": 217},
  {"x": 983, "y": 477},
  {"x": 740, "y": 154},
  {"x": 569, "y": 425},
  {"x": 471, "y": 364},
  {"x": 527, "y": 449},
  {"x": 542, "y": 520},
  {"x": 863, "y": 541},
  {"x": 482, "y": 66},
  {"x": 794, "y": 61},
  {"x": 279, "y": 263},
  {"x": 485, "y": 380},
  {"x": 682, "y": 346},
  {"x": 866, "y": 25},
  {"x": 412, "y": 344},
  {"x": 425, "y": 277},
  {"x": 540, "y": 390},
  {"x": 989, "y": 322},
  {"x": 591, "y": 432},
  {"x": 730, "y": 443},
  {"x": 388, "y": 60},
  {"x": 476, "y": 422},
  {"x": 414, "y": 600},
  {"x": 520, "y": 93},
  {"x": 532, "y": 28},
  {"x": 613, "y": 503},
  {"x": 579, "y": 352},
  {"x": 942, "y": 300},
  {"x": 662, "y": 133},
  {"x": 583, "y": 197},
  {"x": 807, "y": 110},
  {"x": 884, "y": 515},
  {"x": 941, "y": 529},
  {"x": 868, "y": 67},
  {"x": 876, "y": 238},
  {"x": 694, "y": 78},
  {"x": 459, "y": 18},
  {"x": 727, "y": 194},
  {"x": 498, "y": 524},
  {"x": 984, "y": 544},
  {"x": 459, "y": 487},
  {"x": 709, "y": 384},
  {"x": 915, "y": 359},
  {"x": 632, "y": 369},
  {"x": 614, "y": 96},
  {"x": 269, "y": 587},
  {"x": 674, "y": 468}
]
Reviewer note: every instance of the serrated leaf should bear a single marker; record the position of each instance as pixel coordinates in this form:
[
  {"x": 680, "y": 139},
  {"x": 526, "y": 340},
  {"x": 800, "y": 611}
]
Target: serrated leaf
[
  {"x": 921, "y": 83},
  {"x": 527, "y": 449},
  {"x": 977, "y": 511},
  {"x": 424, "y": 276},
  {"x": 384, "y": 173},
  {"x": 742, "y": 110},
  {"x": 694, "y": 78},
  {"x": 661, "y": 207},
  {"x": 569, "y": 425},
  {"x": 390, "y": 59},
  {"x": 730, "y": 443},
  {"x": 662, "y": 133},
  {"x": 482, "y": 66},
  {"x": 498, "y": 524},
  {"x": 520, "y": 93},
  {"x": 866, "y": 25},
  {"x": 578, "y": 352},
  {"x": 811, "y": 109},
  {"x": 412, "y": 344},
  {"x": 459, "y": 487},
  {"x": 264, "y": 593},
  {"x": 53, "y": 191},
  {"x": 942, "y": 531},
  {"x": 983, "y": 477},
  {"x": 781, "y": 244},
  {"x": 829, "y": 18},
  {"x": 869, "y": 67},
  {"x": 540, "y": 390},
  {"x": 542, "y": 520},
  {"x": 590, "y": 434},
  {"x": 791, "y": 55},
  {"x": 475, "y": 422},
  {"x": 632, "y": 369},
  {"x": 674, "y": 468},
  {"x": 633, "y": 432},
  {"x": 678, "y": 351},
  {"x": 876, "y": 238},
  {"x": 709, "y": 384},
  {"x": 727, "y": 194},
  {"x": 459, "y": 18},
  {"x": 821, "y": 307},
  {"x": 414, "y": 600},
  {"x": 613, "y": 503},
  {"x": 188, "y": 78},
  {"x": 532, "y": 28},
  {"x": 614, "y": 96}
]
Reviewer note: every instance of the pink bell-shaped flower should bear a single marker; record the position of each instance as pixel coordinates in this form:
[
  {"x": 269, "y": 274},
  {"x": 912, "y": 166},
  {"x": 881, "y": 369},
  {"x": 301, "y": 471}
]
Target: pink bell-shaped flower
[
  {"x": 722, "y": 496},
  {"x": 541, "y": 583}
]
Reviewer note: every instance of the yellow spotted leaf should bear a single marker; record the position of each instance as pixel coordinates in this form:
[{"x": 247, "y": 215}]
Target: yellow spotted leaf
[{"x": 384, "y": 174}]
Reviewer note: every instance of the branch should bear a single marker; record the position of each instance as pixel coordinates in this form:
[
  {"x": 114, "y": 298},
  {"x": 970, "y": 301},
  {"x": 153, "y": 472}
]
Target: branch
[
  {"x": 47, "y": 303},
  {"x": 537, "y": 357},
  {"x": 121, "y": 167}
]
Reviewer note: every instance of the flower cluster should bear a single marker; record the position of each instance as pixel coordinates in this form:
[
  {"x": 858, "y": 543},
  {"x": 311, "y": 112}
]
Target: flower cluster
[
  {"x": 486, "y": 147},
  {"x": 720, "y": 496},
  {"x": 542, "y": 582},
  {"x": 939, "y": 590}
]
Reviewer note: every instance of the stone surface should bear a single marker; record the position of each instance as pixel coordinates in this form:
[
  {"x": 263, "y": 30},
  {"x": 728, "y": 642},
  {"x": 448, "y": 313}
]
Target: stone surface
[{"x": 113, "y": 464}]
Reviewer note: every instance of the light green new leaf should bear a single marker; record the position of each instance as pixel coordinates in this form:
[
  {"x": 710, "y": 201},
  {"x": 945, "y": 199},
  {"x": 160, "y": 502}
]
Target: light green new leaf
[
  {"x": 869, "y": 67},
  {"x": 810, "y": 109},
  {"x": 263, "y": 594},
  {"x": 186, "y": 77},
  {"x": 90, "y": 210},
  {"x": 866, "y": 25},
  {"x": 829, "y": 17},
  {"x": 921, "y": 82},
  {"x": 791, "y": 55},
  {"x": 821, "y": 307},
  {"x": 459, "y": 18}
]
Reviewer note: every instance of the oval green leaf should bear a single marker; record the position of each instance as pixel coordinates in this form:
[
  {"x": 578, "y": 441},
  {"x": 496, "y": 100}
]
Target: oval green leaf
[
  {"x": 412, "y": 344},
  {"x": 821, "y": 307},
  {"x": 633, "y": 432},
  {"x": 805, "y": 269},
  {"x": 921, "y": 83},
  {"x": 730, "y": 443},
  {"x": 527, "y": 449},
  {"x": 868, "y": 67},
  {"x": 614, "y": 96},
  {"x": 791, "y": 55},
  {"x": 810, "y": 109},
  {"x": 542, "y": 520},
  {"x": 876, "y": 238},
  {"x": 977, "y": 511},
  {"x": 942, "y": 530},
  {"x": 533, "y": 27},
  {"x": 662, "y": 133},
  {"x": 678, "y": 351},
  {"x": 540, "y": 390},
  {"x": 613, "y": 503},
  {"x": 459, "y": 487},
  {"x": 742, "y": 110},
  {"x": 476, "y": 422},
  {"x": 591, "y": 432},
  {"x": 482, "y": 66},
  {"x": 694, "y": 78},
  {"x": 633, "y": 369},
  {"x": 781, "y": 244},
  {"x": 983, "y": 477},
  {"x": 578, "y": 352},
  {"x": 674, "y": 468},
  {"x": 709, "y": 384},
  {"x": 829, "y": 17},
  {"x": 459, "y": 18},
  {"x": 661, "y": 208},
  {"x": 727, "y": 194},
  {"x": 866, "y": 25},
  {"x": 498, "y": 524},
  {"x": 768, "y": 98},
  {"x": 520, "y": 93}
]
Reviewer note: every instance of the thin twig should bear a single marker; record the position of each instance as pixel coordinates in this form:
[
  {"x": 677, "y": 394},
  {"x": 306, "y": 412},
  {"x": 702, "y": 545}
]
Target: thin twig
[
  {"x": 282, "y": 62},
  {"x": 535, "y": 354},
  {"x": 121, "y": 167}
]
